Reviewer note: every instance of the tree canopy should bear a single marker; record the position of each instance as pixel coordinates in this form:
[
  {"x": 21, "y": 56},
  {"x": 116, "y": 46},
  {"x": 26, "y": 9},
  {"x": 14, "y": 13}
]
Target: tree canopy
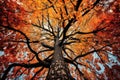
[{"x": 87, "y": 32}]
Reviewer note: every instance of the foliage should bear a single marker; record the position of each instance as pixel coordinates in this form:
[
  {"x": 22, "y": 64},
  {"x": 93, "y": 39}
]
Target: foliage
[{"x": 88, "y": 31}]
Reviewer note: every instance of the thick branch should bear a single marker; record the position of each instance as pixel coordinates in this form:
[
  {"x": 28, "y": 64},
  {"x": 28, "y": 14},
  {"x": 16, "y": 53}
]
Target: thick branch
[
  {"x": 77, "y": 5},
  {"x": 66, "y": 29},
  {"x": 72, "y": 62},
  {"x": 45, "y": 50},
  {"x": 34, "y": 65},
  {"x": 91, "y": 32},
  {"x": 28, "y": 43},
  {"x": 27, "y": 39},
  {"x": 47, "y": 59},
  {"x": 96, "y": 50},
  {"x": 94, "y": 31},
  {"x": 72, "y": 40},
  {"x": 37, "y": 73},
  {"x": 47, "y": 46},
  {"x": 20, "y": 41},
  {"x": 21, "y": 65}
]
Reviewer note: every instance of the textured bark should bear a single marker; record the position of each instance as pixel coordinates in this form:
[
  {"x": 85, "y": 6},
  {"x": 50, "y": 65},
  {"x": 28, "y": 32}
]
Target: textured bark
[{"x": 59, "y": 69}]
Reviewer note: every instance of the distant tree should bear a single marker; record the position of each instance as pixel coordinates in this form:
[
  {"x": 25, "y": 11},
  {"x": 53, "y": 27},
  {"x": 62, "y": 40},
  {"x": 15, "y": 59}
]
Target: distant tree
[{"x": 60, "y": 39}]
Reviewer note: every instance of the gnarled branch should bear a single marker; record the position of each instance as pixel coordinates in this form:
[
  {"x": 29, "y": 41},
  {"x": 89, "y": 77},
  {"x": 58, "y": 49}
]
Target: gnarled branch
[
  {"x": 95, "y": 50},
  {"x": 21, "y": 65}
]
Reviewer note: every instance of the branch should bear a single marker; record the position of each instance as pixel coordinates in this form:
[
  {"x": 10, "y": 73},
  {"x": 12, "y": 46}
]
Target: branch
[
  {"x": 28, "y": 44},
  {"x": 20, "y": 74},
  {"x": 74, "y": 40},
  {"x": 21, "y": 41},
  {"x": 96, "y": 50},
  {"x": 47, "y": 46},
  {"x": 68, "y": 43},
  {"x": 21, "y": 65},
  {"x": 44, "y": 29},
  {"x": 76, "y": 65},
  {"x": 77, "y": 5},
  {"x": 94, "y": 4},
  {"x": 66, "y": 29},
  {"x": 37, "y": 73},
  {"x": 67, "y": 54},
  {"x": 46, "y": 59},
  {"x": 91, "y": 32},
  {"x": 27, "y": 39},
  {"x": 69, "y": 50},
  {"x": 34, "y": 65},
  {"x": 94, "y": 31},
  {"x": 62, "y": 21},
  {"x": 52, "y": 5},
  {"x": 72, "y": 62},
  {"x": 72, "y": 3},
  {"x": 45, "y": 50},
  {"x": 65, "y": 7},
  {"x": 50, "y": 25}
]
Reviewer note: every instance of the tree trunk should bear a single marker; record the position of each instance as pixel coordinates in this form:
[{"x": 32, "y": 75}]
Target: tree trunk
[{"x": 58, "y": 69}]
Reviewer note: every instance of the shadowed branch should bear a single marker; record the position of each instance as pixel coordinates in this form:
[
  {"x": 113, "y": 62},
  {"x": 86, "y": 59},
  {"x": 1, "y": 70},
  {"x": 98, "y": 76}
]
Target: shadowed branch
[
  {"x": 96, "y": 50},
  {"x": 37, "y": 73},
  {"x": 94, "y": 4},
  {"x": 66, "y": 29},
  {"x": 28, "y": 43},
  {"x": 77, "y": 5},
  {"x": 21, "y": 65},
  {"x": 47, "y": 46},
  {"x": 91, "y": 32}
]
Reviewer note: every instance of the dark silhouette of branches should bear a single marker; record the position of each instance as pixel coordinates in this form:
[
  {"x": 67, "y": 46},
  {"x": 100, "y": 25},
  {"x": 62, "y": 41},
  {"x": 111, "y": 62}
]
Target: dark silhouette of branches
[
  {"x": 61, "y": 37},
  {"x": 91, "y": 32},
  {"x": 37, "y": 73},
  {"x": 27, "y": 39},
  {"x": 96, "y": 50},
  {"x": 47, "y": 46},
  {"x": 66, "y": 29},
  {"x": 44, "y": 29},
  {"x": 21, "y": 65},
  {"x": 94, "y": 4},
  {"x": 77, "y": 5}
]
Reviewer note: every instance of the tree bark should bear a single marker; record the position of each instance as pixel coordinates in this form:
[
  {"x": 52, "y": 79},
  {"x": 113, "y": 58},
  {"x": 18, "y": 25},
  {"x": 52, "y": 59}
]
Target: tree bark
[{"x": 59, "y": 69}]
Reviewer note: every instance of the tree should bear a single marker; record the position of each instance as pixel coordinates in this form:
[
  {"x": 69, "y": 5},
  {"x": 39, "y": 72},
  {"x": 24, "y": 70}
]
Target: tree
[{"x": 59, "y": 39}]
